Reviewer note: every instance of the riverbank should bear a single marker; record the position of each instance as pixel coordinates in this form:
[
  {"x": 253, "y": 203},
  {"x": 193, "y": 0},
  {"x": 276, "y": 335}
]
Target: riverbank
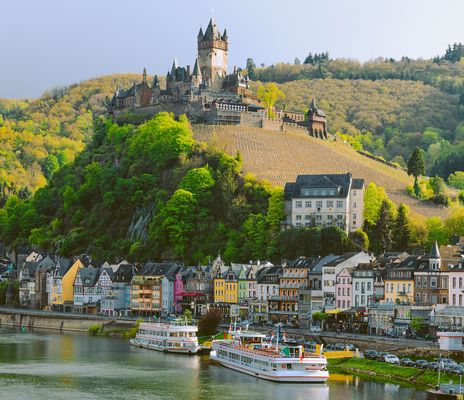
[
  {"x": 389, "y": 373},
  {"x": 63, "y": 322}
]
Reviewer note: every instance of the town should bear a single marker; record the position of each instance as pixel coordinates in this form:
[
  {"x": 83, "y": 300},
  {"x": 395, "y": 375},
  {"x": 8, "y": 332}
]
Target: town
[{"x": 353, "y": 292}]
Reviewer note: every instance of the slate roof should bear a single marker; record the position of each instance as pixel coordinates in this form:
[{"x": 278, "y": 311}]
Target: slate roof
[
  {"x": 435, "y": 251},
  {"x": 124, "y": 273},
  {"x": 341, "y": 182},
  {"x": 158, "y": 269},
  {"x": 89, "y": 276},
  {"x": 339, "y": 259}
]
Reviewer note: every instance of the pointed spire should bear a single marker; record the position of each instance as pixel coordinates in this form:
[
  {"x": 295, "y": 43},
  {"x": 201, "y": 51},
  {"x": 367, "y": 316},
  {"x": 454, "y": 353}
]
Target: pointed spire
[
  {"x": 212, "y": 31},
  {"x": 196, "y": 69},
  {"x": 313, "y": 107},
  {"x": 174, "y": 66},
  {"x": 155, "y": 81},
  {"x": 224, "y": 35},
  {"x": 200, "y": 34},
  {"x": 435, "y": 251},
  {"x": 144, "y": 75}
]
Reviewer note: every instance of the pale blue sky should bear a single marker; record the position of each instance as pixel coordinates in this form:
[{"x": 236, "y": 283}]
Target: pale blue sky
[{"x": 48, "y": 43}]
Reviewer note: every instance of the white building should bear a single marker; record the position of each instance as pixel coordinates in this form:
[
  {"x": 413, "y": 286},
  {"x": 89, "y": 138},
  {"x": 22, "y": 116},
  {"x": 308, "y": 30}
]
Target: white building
[
  {"x": 333, "y": 268},
  {"x": 325, "y": 200},
  {"x": 268, "y": 283},
  {"x": 363, "y": 285}
]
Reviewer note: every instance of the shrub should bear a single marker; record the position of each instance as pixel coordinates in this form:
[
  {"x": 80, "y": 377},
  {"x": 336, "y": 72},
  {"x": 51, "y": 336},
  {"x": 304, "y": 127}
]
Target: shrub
[{"x": 95, "y": 329}]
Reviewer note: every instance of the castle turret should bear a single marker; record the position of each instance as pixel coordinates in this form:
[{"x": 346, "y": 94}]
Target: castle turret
[
  {"x": 196, "y": 75},
  {"x": 316, "y": 121},
  {"x": 155, "y": 82},
  {"x": 144, "y": 75}
]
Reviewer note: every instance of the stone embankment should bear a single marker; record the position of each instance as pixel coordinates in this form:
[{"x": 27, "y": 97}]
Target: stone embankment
[{"x": 24, "y": 318}]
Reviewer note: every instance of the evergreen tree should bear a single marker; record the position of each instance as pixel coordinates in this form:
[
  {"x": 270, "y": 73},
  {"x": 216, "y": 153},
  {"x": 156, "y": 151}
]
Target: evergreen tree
[
  {"x": 402, "y": 231},
  {"x": 251, "y": 67},
  {"x": 384, "y": 227},
  {"x": 416, "y": 167}
]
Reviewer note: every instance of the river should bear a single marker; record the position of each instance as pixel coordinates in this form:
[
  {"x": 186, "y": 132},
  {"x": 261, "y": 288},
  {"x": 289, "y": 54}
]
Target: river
[{"x": 44, "y": 365}]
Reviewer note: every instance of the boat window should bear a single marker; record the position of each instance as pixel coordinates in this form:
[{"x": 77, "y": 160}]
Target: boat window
[
  {"x": 273, "y": 366},
  {"x": 289, "y": 366}
]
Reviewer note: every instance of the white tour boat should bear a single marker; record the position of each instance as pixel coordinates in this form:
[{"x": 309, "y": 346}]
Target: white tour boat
[
  {"x": 248, "y": 353},
  {"x": 176, "y": 337}
]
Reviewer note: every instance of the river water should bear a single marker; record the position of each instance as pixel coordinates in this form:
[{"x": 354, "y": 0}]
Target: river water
[{"x": 37, "y": 365}]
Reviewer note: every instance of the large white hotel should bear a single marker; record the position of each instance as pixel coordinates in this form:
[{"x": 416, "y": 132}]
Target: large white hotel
[{"x": 325, "y": 200}]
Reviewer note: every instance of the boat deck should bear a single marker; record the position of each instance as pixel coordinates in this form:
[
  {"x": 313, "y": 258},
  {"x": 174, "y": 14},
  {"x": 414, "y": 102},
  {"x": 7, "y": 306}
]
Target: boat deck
[{"x": 268, "y": 352}]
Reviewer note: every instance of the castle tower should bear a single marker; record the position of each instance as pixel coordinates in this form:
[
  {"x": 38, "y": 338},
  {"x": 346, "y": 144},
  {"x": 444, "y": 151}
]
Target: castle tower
[
  {"x": 212, "y": 55},
  {"x": 196, "y": 75},
  {"x": 316, "y": 121}
]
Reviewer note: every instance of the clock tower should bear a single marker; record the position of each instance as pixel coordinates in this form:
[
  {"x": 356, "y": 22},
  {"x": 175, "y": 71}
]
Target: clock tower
[{"x": 212, "y": 55}]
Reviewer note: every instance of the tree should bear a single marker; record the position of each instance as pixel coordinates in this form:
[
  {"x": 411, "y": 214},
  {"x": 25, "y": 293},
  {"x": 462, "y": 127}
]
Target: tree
[
  {"x": 384, "y": 227},
  {"x": 373, "y": 197},
  {"x": 51, "y": 165},
  {"x": 437, "y": 184},
  {"x": 275, "y": 210},
  {"x": 208, "y": 324},
  {"x": 416, "y": 324},
  {"x": 251, "y": 67},
  {"x": 456, "y": 180},
  {"x": 269, "y": 94},
  {"x": 360, "y": 239},
  {"x": 416, "y": 168},
  {"x": 402, "y": 231},
  {"x": 297, "y": 61}
]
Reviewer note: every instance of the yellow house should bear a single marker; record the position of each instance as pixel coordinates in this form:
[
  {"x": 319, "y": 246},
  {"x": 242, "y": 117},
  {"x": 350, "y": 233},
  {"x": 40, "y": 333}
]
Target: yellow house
[
  {"x": 226, "y": 286},
  {"x": 399, "y": 282},
  {"x": 219, "y": 285},
  {"x": 63, "y": 284}
]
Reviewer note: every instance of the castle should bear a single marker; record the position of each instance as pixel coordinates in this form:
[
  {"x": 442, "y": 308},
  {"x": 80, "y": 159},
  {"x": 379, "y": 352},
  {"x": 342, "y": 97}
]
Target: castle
[{"x": 209, "y": 94}]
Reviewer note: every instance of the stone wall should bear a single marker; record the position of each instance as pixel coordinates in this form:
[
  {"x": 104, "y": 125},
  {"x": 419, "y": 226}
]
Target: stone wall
[{"x": 54, "y": 320}]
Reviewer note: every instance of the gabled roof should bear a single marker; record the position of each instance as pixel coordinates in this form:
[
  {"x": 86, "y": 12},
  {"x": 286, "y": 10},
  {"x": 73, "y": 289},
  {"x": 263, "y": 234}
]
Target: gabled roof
[
  {"x": 159, "y": 269},
  {"x": 124, "y": 273},
  {"x": 89, "y": 276},
  {"x": 340, "y": 259}
]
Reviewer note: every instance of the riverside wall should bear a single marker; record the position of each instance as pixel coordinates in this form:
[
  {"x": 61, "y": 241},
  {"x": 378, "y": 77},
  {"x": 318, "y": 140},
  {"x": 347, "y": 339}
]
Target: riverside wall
[{"x": 24, "y": 318}]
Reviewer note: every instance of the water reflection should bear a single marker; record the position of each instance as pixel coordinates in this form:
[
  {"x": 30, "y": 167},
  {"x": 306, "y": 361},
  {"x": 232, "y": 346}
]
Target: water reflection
[{"x": 35, "y": 365}]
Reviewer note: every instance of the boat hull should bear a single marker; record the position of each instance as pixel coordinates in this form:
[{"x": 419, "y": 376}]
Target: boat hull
[
  {"x": 164, "y": 349},
  {"x": 319, "y": 376}
]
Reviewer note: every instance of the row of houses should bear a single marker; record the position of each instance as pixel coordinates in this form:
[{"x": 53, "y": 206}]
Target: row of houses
[{"x": 291, "y": 292}]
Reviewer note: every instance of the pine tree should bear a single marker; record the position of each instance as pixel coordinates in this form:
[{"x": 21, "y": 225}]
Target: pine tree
[
  {"x": 384, "y": 227},
  {"x": 402, "y": 231},
  {"x": 416, "y": 167}
]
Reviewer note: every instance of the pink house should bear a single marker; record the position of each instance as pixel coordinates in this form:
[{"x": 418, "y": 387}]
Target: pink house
[
  {"x": 178, "y": 291},
  {"x": 344, "y": 289}
]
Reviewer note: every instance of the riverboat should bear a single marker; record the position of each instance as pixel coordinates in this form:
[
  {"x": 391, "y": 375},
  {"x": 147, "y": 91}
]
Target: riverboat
[
  {"x": 247, "y": 352},
  {"x": 175, "y": 337}
]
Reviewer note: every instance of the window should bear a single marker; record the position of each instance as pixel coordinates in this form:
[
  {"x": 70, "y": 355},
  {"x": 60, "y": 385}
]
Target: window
[
  {"x": 298, "y": 224},
  {"x": 308, "y": 204},
  {"x": 319, "y": 217},
  {"x": 354, "y": 192},
  {"x": 354, "y": 217},
  {"x": 330, "y": 203},
  {"x": 363, "y": 301},
  {"x": 354, "y": 204},
  {"x": 307, "y": 217},
  {"x": 454, "y": 299},
  {"x": 460, "y": 283},
  {"x": 298, "y": 217},
  {"x": 339, "y": 203},
  {"x": 454, "y": 283},
  {"x": 339, "y": 217},
  {"x": 319, "y": 204},
  {"x": 298, "y": 204},
  {"x": 329, "y": 217},
  {"x": 357, "y": 285},
  {"x": 368, "y": 286}
]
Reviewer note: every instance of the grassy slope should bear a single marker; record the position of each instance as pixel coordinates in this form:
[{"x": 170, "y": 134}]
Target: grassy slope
[
  {"x": 390, "y": 373},
  {"x": 280, "y": 157}
]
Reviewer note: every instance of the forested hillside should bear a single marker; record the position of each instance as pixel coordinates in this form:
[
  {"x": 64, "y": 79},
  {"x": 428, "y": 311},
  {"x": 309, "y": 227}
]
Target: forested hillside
[{"x": 38, "y": 136}]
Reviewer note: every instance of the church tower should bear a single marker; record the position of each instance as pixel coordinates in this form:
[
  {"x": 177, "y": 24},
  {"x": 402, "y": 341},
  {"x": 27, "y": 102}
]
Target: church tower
[{"x": 212, "y": 55}]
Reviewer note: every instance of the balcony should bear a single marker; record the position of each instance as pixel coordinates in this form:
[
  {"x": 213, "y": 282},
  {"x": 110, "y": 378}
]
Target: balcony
[{"x": 283, "y": 298}]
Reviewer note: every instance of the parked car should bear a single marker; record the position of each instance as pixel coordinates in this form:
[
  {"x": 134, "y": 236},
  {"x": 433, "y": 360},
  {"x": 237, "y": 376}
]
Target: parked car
[
  {"x": 391, "y": 359},
  {"x": 291, "y": 341},
  {"x": 433, "y": 366},
  {"x": 381, "y": 356},
  {"x": 446, "y": 361},
  {"x": 316, "y": 329},
  {"x": 310, "y": 345},
  {"x": 407, "y": 362},
  {"x": 370, "y": 354},
  {"x": 422, "y": 364},
  {"x": 350, "y": 347}
]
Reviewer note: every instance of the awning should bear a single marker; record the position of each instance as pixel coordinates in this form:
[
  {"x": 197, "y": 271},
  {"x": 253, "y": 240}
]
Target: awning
[{"x": 336, "y": 311}]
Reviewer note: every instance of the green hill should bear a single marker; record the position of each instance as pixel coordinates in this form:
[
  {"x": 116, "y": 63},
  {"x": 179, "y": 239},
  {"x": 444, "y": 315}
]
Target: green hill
[{"x": 280, "y": 157}]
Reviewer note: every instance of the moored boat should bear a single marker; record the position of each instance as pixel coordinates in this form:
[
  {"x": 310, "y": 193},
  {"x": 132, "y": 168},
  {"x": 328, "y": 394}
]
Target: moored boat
[
  {"x": 175, "y": 337},
  {"x": 247, "y": 352}
]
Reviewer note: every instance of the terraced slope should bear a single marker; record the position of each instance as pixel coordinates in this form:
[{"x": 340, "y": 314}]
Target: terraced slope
[{"x": 280, "y": 157}]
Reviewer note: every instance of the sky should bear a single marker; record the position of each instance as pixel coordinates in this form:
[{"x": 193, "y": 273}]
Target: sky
[{"x": 50, "y": 43}]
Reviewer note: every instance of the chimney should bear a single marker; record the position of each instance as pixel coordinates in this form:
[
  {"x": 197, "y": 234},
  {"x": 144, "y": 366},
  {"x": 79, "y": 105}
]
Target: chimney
[
  {"x": 188, "y": 70},
  {"x": 235, "y": 69}
]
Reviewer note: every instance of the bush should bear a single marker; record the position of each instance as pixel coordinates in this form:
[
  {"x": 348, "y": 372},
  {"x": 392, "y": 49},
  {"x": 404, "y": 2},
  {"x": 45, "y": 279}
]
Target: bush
[
  {"x": 95, "y": 329},
  {"x": 441, "y": 198}
]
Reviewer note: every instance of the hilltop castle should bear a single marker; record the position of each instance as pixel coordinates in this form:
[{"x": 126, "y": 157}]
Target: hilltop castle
[{"x": 208, "y": 94}]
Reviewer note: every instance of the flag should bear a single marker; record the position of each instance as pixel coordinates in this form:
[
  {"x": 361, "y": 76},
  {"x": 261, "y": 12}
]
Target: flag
[
  {"x": 301, "y": 353},
  {"x": 272, "y": 336},
  {"x": 284, "y": 338}
]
